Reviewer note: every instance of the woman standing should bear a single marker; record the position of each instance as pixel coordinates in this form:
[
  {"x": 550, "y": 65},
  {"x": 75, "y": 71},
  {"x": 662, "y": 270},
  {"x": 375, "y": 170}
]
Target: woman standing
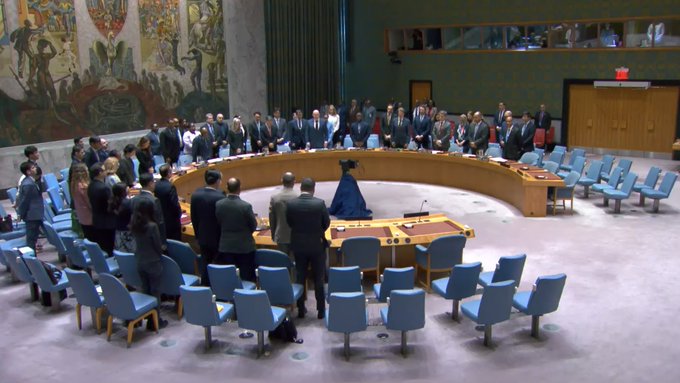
[
  {"x": 80, "y": 180},
  {"x": 144, "y": 156},
  {"x": 235, "y": 138},
  {"x": 334, "y": 126},
  {"x": 121, "y": 206},
  {"x": 148, "y": 252},
  {"x": 111, "y": 165}
]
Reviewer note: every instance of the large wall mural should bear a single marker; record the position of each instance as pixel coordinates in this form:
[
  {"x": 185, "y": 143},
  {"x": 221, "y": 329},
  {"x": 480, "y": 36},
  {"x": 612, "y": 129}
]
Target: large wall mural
[{"x": 5, "y": 59}]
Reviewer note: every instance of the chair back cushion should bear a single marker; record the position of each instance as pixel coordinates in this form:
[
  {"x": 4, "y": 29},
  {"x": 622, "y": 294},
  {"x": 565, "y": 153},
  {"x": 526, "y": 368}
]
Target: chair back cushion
[
  {"x": 607, "y": 163},
  {"x": 183, "y": 254},
  {"x": 628, "y": 184},
  {"x": 253, "y": 310},
  {"x": 18, "y": 266},
  {"x": 199, "y": 308},
  {"x": 396, "y": 279},
  {"x": 407, "y": 310},
  {"x": 447, "y": 251},
  {"x": 83, "y": 287},
  {"x": 171, "y": 277},
  {"x": 97, "y": 256},
  {"x": 615, "y": 177},
  {"x": 276, "y": 282},
  {"x": 594, "y": 170},
  {"x": 224, "y": 280},
  {"x": 128, "y": 268},
  {"x": 496, "y": 302},
  {"x": 510, "y": 269},
  {"x": 625, "y": 164},
  {"x": 361, "y": 251},
  {"x": 652, "y": 176},
  {"x": 667, "y": 183},
  {"x": 347, "y": 312},
  {"x": 39, "y": 273},
  {"x": 463, "y": 280},
  {"x": 272, "y": 258},
  {"x": 546, "y": 297},
  {"x": 118, "y": 300},
  {"x": 344, "y": 280}
]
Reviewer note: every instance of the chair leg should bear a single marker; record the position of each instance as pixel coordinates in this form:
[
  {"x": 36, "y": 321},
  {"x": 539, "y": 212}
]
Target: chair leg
[
  {"x": 617, "y": 206},
  {"x": 605, "y": 201},
  {"x": 154, "y": 316},
  {"x": 130, "y": 330},
  {"x": 109, "y": 328},
  {"x": 35, "y": 293},
  {"x": 487, "y": 335},
  {"x": 55, "y": 301},
  {"x": 534, "y": 325},
  {"x": 78, "y": 318},
  {"x": 403, "y": 343},
  {"x": 642, "y": 200},
  {"x": 655, "y": 206},
  {"x": 208, "y": 337},
  {"x": 98, "y": 319},
  {"x": 586, "y": 191},
  {"x": 347, "y": 346},
  {"x": 260, "y": 343},
  {"x": 180, "y": 307},
  {"x": 454, "y": 310}
]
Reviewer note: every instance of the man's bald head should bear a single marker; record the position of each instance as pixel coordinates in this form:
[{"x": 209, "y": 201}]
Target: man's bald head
[
  {"x": 288, "y": 179},
  {"x": 234, "y": 186}
]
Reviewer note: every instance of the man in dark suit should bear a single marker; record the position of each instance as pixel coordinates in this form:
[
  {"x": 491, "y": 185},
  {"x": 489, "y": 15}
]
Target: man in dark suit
[
  {"x": 204, "y": 220},
  {"x": 386, "y": 127},
  {"x": 171, "y": 142},
  {"x": 95, "y": 154},
  {"x": 220, "y": 127},
  {"x": 308, "y": 219},
  {"x": 281, "y": 126},
  {"x": 270, "y": 135},
  {"x": 148, "y": 188},
  {"x": 401, "y": 131},
  {"x": 277, "y": 213},
  {"x": 217, "y": 136},
  {"x": 422, "y": 126},
  {"x": 527, "y": 131},
  {"x": 202, "y": 146},
  {"x": 166, "y": 193},
  {"x": 155, "y": 140},
  {"x": 103, "y": 221},
  {"x": 317, "y": 132},
  {"x": 237, "y": 223},
  {"x": 30, "y": 206},
  {"x": 479, "y": 134},
  {"x": 543, "y": 118},
  {"x": 126, "y": 171},
  {"x": 441, "y": 133},
  {"x": 499, "y": 117},
  {"x": 255, "y": 132},
  {"x": 297, "y": 129},
  {"x": 359, "y": 132},
  {"x": 511, "y": 140}
]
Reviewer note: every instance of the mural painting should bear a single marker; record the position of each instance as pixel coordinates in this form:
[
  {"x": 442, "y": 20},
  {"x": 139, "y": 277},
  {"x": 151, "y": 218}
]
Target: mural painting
[
  {"x": 108, "y": 15},
  {"x": 5, "y": 50}
]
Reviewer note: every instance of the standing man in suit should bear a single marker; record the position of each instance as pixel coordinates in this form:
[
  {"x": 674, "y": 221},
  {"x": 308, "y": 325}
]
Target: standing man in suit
[
  {"x": 30, "y": 205},
  {"x": 166, "y": 193},
  {"x": 171, "y": 142},
  {"x": 511, "y": 140},
  {"x": 217, "y": 136},
  {"x": 297, "y": 131},
  {"x": 317, "y": 132},
  {"x": 461, "y": 133},
  {"x": 369, "y": 114},
  {"x": 479, "y": 134},
  {"x": 220, "y": 127},
  {"x": 308, "y": 219},
  {"x": 126, "y": 171},
  {"x": 155, "y": 140},
  {"x": 359, "y": 132},
  {"x": 281, "y": 127},
  {"x": 237, "y": 223},
  {"x": 277, "y": 213},
  {"x": 386, "y": 127},
  {"x": 543, "y": 118},
  {"x": 148, "y": 184},
  {"x": 204, "y": 220},
  {"x": 401, "y": 131},
  {"x": 421, "y": 129},
  {"x": 270, "y": 135},
  {"x": 201, "y": 146},
  {"x": 441, "y": 133},
  {"x": 527, "y": 132},
  {"x": 255, "y": 132},
  {"x": 95, "y": 154},
  {"x": 103, "y": 221},
  {"x": 499, "y": 117}
]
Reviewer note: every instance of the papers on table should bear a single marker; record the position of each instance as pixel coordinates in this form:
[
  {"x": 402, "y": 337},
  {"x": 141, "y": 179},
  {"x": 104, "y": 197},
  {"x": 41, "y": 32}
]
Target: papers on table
[{"x": 498, "y": 159}]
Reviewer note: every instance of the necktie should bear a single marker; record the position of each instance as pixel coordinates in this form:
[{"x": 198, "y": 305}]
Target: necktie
[
  {"x": 507, "y": 135},
  {"x": 212, "y": 132},
  {"x": 523, "y": 128},
  {"x": 399, "y": 123},
  {"x": 316, "y": 125},
  {"x": 476, "y": 128},
  {"x": 299, "y": 124}
]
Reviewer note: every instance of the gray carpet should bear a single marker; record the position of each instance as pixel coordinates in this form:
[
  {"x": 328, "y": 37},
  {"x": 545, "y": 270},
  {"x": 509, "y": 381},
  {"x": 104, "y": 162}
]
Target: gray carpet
[{"x": 617, "y": 320}]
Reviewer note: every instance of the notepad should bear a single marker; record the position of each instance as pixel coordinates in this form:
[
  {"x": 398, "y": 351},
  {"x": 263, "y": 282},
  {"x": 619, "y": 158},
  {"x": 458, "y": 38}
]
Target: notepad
[{"x": 219, "y": 307}]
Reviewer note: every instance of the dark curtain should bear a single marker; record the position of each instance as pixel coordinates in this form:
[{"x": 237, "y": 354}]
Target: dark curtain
[{"x": 302, "y": 54}]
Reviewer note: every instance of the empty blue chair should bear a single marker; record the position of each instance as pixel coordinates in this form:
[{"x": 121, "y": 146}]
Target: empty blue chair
[
  {"x": 442, "y": 254},
  {"x": 543, "y": 299},
  {"x": 276, "y": 282},
  {"x": 76, "y": 254},
  {"x": 45, "y": 283},
  {"x": 157, "y": 168},
  {"x": 256, "y": 314},
  {"x": 650, "y": 181},
  {"x": 347, "y": 143},
  {"x": 201, "y": 310},
  {"x": 560, "y": 149},
  {"x": 12, "y": 195},
  {"x": 57, "y": 201},
  {"x": 494, "y": 145},
  {"x": 363, "y": 252},
  {"x": 619, "y": 195},
  {"x": 19, "y": 269},
  {"x": 591, "y": 177},
  {"x": 66, "y": 192},
  {"x": 135, "y": 168},
  {"x": 272, "y": 258},
  {"x": 373, "y": 142},
  {"x": 281, "y": 149},
  {"x": 394, "y": 279},
  {"x": 59, "y": 225},
  {"x": 625, "y": 165},
  {"x": 453, "y": 148},
  {"x": 128, "y": 306},
  {"x": 64, "y": 174},
  {"x": 607, "y": 165},
  {"x": 494, "y": 307},
  {"x": 662, "y": 193},
  {"x": 405, "y": 311},
  {"x": 128, "y": 269},
  {"x": 493, "y": 151},
  {"x": 460, "y": 285},
  {"x": 347, "y": 314},
  {"x": 50, "y": 181},
  {"x": 224, "y": 279},
  {"x": 185, "y": 160},
  {"x": 529, "y": 158},
  {"x": 185, "y": 256},
  {"x": 541, "y": 154},
  {"x": 172, "y": 278},
  {"x": 508, "y": 268},
  {"x": 575, "y": 154},
  {"x": 344, "y": 280},
  {"x": 5, "y": 249},
  {"x": 102, "y": 264},
  {"x": 55, "y": 240},
  {"x": 86, "y": 295},
  {"x": 577, "y": 166},
  {"x": 551, "y": 166},
  {"x": 224, "y": 151},
  {"x": 556, "y": 157},
  {"x": 566, "y": 192},
  {"x": 612, "y": 182},
  {"x": 158, "y": 160}
]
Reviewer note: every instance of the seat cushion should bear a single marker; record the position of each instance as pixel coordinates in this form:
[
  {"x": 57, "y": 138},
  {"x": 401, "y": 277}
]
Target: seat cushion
[
  {"x": 439, "y": 286},
  {"x": 227, "y": 311},
  {"x": 279, "y": 315},
  {"x": 614, "y": 194},
  {"x": 471, "y": 309},
  {"x": 298, "y": 289},
  {"x": 142, "y": 302},
  {"x": 62, "y": 226},
  {"x": 521, "y": 301},
  {"x": 485, "y": 278},
  {"x": 247, "y": 285},
  {"x": 376, "y": 290},
  {"x": 601, "y": 187},
  {"x": 653, "y": 193},
  {"x": 585, "y": 181},
  {"x": 638, "y": 187}
]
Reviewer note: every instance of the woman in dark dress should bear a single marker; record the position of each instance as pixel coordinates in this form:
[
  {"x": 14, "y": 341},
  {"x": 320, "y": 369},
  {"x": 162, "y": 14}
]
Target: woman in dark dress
[
  {"x": 144, "y": 156},
  {"x": 148, "y": 252},
  {"x": 121, "y": 206},
  {"x": 236, "y": 138}
]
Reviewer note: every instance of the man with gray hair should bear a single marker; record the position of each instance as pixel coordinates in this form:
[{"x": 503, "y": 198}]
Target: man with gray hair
[
  {"x": 280, "y": 230},
  {"x": 317, "y": 132}
]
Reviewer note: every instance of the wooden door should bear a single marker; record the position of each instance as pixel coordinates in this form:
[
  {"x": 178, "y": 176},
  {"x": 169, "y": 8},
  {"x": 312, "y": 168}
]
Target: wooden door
[{"x": 419, "y": 90}]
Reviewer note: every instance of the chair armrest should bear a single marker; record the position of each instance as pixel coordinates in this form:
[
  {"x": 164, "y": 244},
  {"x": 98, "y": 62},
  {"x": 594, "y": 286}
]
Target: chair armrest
[
  {"x": 421, "y": 248},
  {"x": 388, "y": 301},
  {"x": 381, "y": 278},
  {"x": 362, "y": 274}
]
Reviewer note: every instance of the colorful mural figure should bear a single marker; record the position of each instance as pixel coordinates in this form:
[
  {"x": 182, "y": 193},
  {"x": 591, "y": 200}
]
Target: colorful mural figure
[
  {"x": 5, "y": 51},
  {"x": 206, "y": 35},
  {"x": 108, "y": 15},
  {"x": 159, "y": 31}
]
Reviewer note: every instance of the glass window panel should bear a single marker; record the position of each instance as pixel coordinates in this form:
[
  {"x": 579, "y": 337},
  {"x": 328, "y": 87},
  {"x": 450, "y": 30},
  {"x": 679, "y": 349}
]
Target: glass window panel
[
  {"x": 396, "y": 40},
  {"x": 472, "y": 38},
  {"x": 514, "y": 37},
  {"x": 433, "y": 39},
  {"x": 492, "y": 37},
  {"x": 559, "y": 35},
  {"x": 636, "y": 34},
  {"x": 537, "y": 36},
  {"x": 583, "y": 35},
  {"x": 452, "y": 38},
  {"x": 666, "y": 33},
  {"x": 611, "y": 35},
  {"x": 414, "y": 39}
]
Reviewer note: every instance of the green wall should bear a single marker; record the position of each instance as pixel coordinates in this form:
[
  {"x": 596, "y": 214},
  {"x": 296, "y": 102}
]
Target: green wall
[{"x": 478, "y": 81}]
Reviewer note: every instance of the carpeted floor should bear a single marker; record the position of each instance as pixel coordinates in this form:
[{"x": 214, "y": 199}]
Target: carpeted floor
[{"x": 617, "y": 320}]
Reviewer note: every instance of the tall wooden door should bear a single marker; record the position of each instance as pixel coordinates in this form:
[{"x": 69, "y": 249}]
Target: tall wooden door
[{"x": 419, "y": 90}]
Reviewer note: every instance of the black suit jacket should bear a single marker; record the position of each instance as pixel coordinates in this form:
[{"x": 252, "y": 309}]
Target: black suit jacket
[
  {"x": 481, "y": 138},
  {"x": 401, "y": 134},
  {"x": 527, "y": 137},
  {"x": 201, "y": 147},
  {"x": 203, "y": 217},
  {"x": 94, "y": 156},
  {"x": 167, "y": 195},
  {"x": 308, "y": 219},
  {"x": 316, "y": 137},
  {"x": 157, "y": 210},
  {"x": 170, "y": 145},
  {"x": 145, "y": 160},
  {"x": 359, "y": 134},
  {"x": 237, "y": 223},
  {"x": 255, "y": 135},
  {"x": 543, "y": 123},
  {"x": 296, "y": 135},
  {"x": 126, "y": 171},
  {"x": 422, "y": 128},
  {"x": 99, "y": 193},
  {"x": 269, "y": 137},
  {"x": 512, "y": 144}
]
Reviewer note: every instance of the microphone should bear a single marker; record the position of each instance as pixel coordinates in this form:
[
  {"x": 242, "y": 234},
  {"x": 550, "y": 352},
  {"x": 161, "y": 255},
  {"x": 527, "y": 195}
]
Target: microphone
[{"x": 421, "y": 208}]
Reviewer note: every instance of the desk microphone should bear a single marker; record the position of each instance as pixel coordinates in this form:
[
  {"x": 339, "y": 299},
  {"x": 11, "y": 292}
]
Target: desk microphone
[{"x": 421, "y": 209}]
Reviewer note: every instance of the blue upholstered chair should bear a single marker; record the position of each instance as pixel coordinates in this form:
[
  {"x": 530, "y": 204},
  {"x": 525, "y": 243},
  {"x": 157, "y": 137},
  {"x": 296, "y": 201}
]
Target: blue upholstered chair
[
  {"x": 543, "y": 299},
  {"x": 575, "y": 154},
  {"x": 405, "y": 311},
  {"x": 283, "y": 148},
  {"x": 224, "y": 279},
  {"x": 607, "y": 166},
  {"x": 591, "y": 177},
  {"x": 135, "y": 168},
  {"x": 201, "y": 310},
  {"x": 5, "y": 249},
  {"x": 172, "y": 278},
  {"x": 185, "y": 256},
  {"x": 65, "y": 191},
  {"x": 347, "y": 143},
  {"x": 625, "y": 165},
  {"x": 185, "y": 160},
  {"x": 347, "y": 314},
  {"x": 494, "y": 307},
  {"x": 556, "y": 157},
  {"x": 650, "y": 181},
  {"x": 541, "y": 154},
  {"x": 493, "y": 151},
  {"x": 44, "y": 282},
  {"x": 566, "y": 192},
  {"x": 57, "y": 201},
  {"x": 529, "y": 158},
  {"x": 273, "y": 258},
  {"x": 662, "y": 192},
  {"x": 619, "y": 195},
  {"x": 612, "y": 181},
  {"x": 344, "y": 280},
  {"x": 577, "y": 166},
  {"x": 373, "y": 142},
  {"x": 60, "y": 223},
  {"x": 64, "y": 174},
  {"x": 551, "y": 166},
  {"x": 560, "y": 149},
  {"x": 453, "y": 148},
  {"x": 50, "y": 181},
  {"x": 256, "y": 314},
  {"x": 128, "y": 306},
  {"x": 128, "y": 269},
  {"x": 157, "y": 168},
  {"x": 18, "y": 228},
  {"x": 276, "y": 282},
  {"x": 86, "y": 295},
  {"x": 224, "y": 151},
  {"x": 100, "y": 261},
  {"x": 76, "y": 254},
  {"x": 20, "y": 271},
  {"x": 442, "y": 254},
  {"x": 494, "y": 145},
  {"x": 394, "y": 279},
  {"x": 363, "y": 252},
  {"x": 55, "y": 239},
  {"x": 508, "y": 268},
  {"x": 460, "y": 285},
  {"x": 158, "y": 160},
  {"x": 12, "y": 195}
]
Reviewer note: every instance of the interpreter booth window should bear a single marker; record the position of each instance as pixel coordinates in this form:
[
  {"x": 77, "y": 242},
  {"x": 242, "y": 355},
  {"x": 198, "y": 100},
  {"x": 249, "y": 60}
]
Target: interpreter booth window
[
  {"x": 514, "y": 37},
  {"x": 433, "y": 39},
  {"x": 536, "y": 37},
  {"x": 415, "y": 39},
  {"x": 395, "y": 38},
  {"x": 559, "y": 36},
  {"x": 452, "y": 38},
  {"x": 636, "y": 34},
  {"x": 492, "y": 37},
  {"x": 666, "y": 33},
  {"x": 583, "y": 35},
  {"x": 472, "y": 38},
  {"x": 611, "y": 35}
]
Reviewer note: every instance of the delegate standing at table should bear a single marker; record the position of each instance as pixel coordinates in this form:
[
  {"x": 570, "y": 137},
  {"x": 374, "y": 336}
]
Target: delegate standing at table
[
  {"x": 30, "y": 206},
  {"x": 479, "y": 134},
  {"x": 441, "y": 133},
  {"x": 277, "y": 213},
  {"x": 204, "y": 220},
  {"x": 359, "y": 132},
  {"x": 166, "y": 193},
  {"x": 401, "y": 130}
]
